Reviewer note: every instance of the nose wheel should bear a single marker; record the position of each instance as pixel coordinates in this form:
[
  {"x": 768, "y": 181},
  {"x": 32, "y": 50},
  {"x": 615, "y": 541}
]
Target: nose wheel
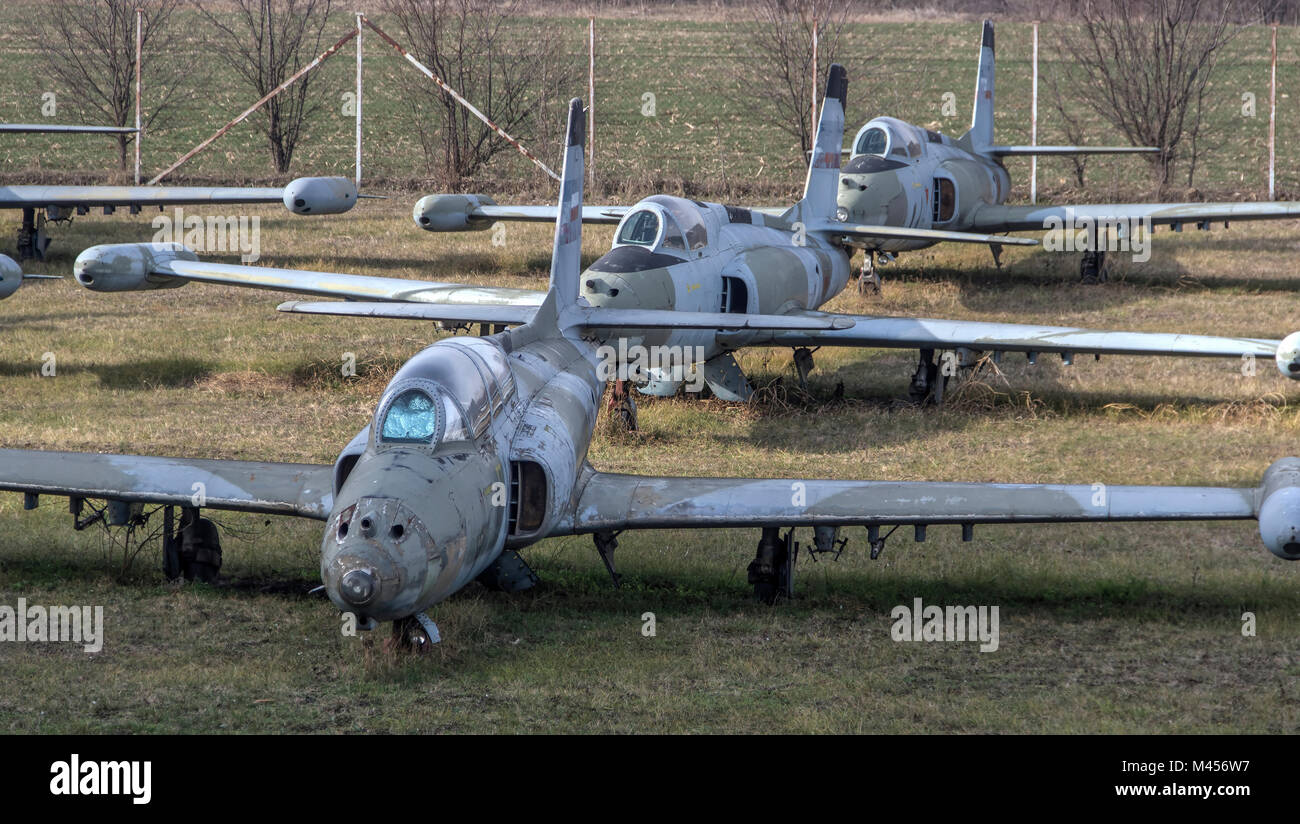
[{"x": 415, "y": 634}]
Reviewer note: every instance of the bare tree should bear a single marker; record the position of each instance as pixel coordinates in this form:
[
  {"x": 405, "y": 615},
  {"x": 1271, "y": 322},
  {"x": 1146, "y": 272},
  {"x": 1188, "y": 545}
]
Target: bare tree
[
  {"x": 1070, "y": 124},
  {"x": 781, "y": 41},
  {"x": 512, "y": 68},
  {"x": 89, "y": 47},
  {"x": 1144, "y": 66},
  {"x": 265, "y": 42}
]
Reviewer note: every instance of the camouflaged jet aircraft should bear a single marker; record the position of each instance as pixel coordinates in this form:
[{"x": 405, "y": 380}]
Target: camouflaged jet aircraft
[
  {"x": 478, "y": 448},
  {"x": 906, "y": 175},
  {"x": 916, "y": 181},
  {"x": 673, "y": 254},
  {"x": 43, "y": 204}
]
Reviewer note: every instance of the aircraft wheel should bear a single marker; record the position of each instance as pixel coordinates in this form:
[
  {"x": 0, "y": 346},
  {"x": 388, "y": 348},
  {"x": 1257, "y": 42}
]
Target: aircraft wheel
[{"x": 409, "y": 636}]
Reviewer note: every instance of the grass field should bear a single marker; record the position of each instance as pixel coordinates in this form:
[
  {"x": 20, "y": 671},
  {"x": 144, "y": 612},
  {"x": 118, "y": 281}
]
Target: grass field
[{"x": 1107, "y": 628}]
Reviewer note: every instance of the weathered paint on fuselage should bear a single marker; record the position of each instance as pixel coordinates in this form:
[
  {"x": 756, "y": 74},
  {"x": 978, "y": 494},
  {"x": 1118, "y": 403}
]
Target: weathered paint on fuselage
[
  {"x": 898, "y": 186},
  {"x": 424, "y": 521},
  {"x": 779, "y": 268}
]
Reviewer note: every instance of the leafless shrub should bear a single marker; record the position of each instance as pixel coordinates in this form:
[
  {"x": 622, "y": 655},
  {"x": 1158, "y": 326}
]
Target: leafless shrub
[
  {"x": 1145, "y": 65},
  {"x": 781, "y": 42},
  {"x": 265, "y": 42},
  {"x": 515, "y": 74},
  {"x": 89, "y": 46}
]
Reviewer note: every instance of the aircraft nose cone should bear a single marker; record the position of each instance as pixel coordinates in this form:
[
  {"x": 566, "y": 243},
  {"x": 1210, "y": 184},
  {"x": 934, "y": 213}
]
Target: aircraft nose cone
[
  {"x": 377, "y": 557},
  {"x": 357, "y": 587}
]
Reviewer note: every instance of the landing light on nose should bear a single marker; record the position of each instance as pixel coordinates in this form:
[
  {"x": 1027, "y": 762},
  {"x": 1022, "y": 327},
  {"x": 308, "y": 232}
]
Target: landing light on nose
[{"x": 357, "y": 587}]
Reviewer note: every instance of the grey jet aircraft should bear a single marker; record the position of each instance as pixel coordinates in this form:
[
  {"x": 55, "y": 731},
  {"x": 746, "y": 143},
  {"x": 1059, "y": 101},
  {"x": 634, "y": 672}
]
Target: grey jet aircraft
[
  {"x": 674, "y": 254},
  {"x": 917, "y": 181},
  {"x": 478, "y": 448}
]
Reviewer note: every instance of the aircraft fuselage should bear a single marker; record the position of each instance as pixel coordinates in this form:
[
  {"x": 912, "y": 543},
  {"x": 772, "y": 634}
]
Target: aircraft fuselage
[{"x": 907, "y": 176}]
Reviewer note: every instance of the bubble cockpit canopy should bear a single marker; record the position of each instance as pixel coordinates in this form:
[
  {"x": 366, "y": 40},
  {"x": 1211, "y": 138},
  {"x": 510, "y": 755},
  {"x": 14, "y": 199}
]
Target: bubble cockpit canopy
[
  {"x": 449, "y": 392},
  {"x": 664, "y": 223},
  {"x": 891, "y": 138}
]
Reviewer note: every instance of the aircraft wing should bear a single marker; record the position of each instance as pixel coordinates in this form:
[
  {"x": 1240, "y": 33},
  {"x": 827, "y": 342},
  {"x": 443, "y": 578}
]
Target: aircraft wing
[
  {"x": 129, "y": 267},
  {"x": 855, "y": 231},
  {"x": 615, "y": 502},
  {"x": 305, "y": 490},
  {"x": 885, "y": 332},
  {"x": 597, "y": 317},
  {"x": 304, "y": 195},
  {"x": 57, "y": 128},
  {"x": 460, "y": 213},
  {"x": 1036, "y": 218}
]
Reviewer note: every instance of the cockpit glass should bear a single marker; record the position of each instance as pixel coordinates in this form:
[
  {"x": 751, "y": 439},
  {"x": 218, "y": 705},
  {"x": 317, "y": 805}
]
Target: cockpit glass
[
  {"x": 642, "y": 228},
  {"x": 873, "y": 142},
  {"x": 411, "y": 418},
  {"x": 689, "y": 220}
]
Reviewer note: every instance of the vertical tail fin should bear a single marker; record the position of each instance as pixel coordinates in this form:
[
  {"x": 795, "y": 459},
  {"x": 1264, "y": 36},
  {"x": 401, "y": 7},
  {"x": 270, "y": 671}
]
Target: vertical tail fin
[
  {"x": 566, "y": 253},
  {"x": 821, "y": 190},
  {"x": 981, "y": 122}
]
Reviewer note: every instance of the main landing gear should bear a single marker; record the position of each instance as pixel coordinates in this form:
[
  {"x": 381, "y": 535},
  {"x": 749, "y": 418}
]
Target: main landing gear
[
  {"x": 622, "y": 406},
  {"x": 1093, "y": 268},
  {"x": 928, "y": 381},
  {"x": 868, "y": 278},
  {"x": 32, "y": 238}
]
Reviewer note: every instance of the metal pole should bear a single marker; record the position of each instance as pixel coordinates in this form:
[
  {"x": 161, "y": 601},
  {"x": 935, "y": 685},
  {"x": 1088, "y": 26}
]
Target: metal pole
[
  {"x": 1272, "y": 120},
  {"x": 139, "y": 51},
  {"x": 814, "y": 82},
  {"x": 1033, "y": 127},
  {"x": 358, "y": 180},
  {"x": 423, "y": 69},
  {"x": 320, "y": 58},
  {"x": 591, "y": 99}
]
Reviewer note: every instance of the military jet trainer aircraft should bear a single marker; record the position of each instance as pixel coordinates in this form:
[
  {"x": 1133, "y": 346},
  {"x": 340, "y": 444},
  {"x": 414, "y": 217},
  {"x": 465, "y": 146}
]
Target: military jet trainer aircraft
[
  {"x": 911, "y": 178},
  {"x": 408, "y": 521},
  {"x": 670, "y": 253},
  {"x": 39, "y": 204}
]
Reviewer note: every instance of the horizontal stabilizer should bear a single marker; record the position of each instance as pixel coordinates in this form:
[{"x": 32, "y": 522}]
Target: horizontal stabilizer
[
  {"x": 603, "y": 318},
  {"x": 1013, "y": 151},
  {"x": 443, "y": 312}
]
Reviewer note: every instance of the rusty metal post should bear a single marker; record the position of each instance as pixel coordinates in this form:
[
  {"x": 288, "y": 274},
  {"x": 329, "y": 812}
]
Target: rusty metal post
[
  {"x": 320, "y": 58},
  {"x": 1033, "y": 126},
  {"x": 1272, "y": 121},
  {"x": 139, "y": 51},
  {"x": 591, "y": 99},
  {"x": 423, "y": 69},
  {"x": 814, "y": 84},
  {"x": 358, "y": 101}
]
